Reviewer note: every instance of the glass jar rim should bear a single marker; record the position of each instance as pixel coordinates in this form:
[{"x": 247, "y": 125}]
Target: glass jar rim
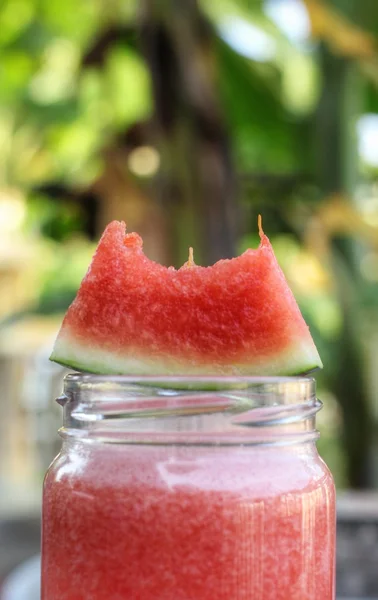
[
  {"x": 127, "y": 407},
  {"x": 190, "y": 380},
  {"x": 295, "y": 390}
]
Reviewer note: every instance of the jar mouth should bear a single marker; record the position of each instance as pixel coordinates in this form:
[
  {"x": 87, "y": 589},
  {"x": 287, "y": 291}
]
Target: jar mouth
[
  {"x": 162, "y": 392},
  {"x": 128, "y": 409},
  {"x": 305, "y": 383}
]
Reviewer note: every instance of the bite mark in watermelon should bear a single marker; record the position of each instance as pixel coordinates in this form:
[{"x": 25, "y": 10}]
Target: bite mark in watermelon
[{"x": 133, "y": 316}]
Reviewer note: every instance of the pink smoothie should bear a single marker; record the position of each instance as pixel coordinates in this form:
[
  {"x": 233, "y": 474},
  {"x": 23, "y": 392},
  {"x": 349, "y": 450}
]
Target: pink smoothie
[{"x": 189, "y": 523}]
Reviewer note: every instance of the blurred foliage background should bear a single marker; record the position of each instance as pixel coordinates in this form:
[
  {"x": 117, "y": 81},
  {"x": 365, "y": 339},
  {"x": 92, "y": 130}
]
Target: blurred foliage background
[{"x": 187, "y": 119}]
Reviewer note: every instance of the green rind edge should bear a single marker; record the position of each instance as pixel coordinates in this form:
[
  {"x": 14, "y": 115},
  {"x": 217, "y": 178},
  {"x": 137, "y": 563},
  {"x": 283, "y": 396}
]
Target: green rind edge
[{"x": 76, "y": 366}]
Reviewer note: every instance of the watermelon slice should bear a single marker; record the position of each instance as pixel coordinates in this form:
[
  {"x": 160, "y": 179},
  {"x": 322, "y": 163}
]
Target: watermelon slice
[{"x": 134, "y": 316}]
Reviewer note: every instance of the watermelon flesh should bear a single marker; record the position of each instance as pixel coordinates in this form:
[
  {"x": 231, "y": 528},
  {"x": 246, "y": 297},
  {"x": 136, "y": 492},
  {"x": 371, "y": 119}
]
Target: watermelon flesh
[{"x": 133, "y": 316}]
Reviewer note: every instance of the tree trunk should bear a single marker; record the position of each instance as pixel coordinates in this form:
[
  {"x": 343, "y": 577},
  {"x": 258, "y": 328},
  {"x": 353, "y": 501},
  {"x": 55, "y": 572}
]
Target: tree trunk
[
  {"x": 337, "y": 173},
  {"x": 197, "y": 186}
]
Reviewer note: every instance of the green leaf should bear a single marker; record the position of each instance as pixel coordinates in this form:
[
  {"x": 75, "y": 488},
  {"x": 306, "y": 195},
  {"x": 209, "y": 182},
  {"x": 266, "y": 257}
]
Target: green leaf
[
  {"x": 76, "y": 19},
  {"x": 127, "y": 86},
  {"x": 16, "y": 69},
  {"x": 55, "y": 80},
  {"x": 263, "y": 136},
  {"x": 73, "y": 147},
  {"x": 15, "y": 16}
]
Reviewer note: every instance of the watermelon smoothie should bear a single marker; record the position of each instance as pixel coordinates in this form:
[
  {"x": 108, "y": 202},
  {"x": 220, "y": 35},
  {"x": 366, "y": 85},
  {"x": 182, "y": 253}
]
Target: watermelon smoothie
[{"x": 215, "y": 495}]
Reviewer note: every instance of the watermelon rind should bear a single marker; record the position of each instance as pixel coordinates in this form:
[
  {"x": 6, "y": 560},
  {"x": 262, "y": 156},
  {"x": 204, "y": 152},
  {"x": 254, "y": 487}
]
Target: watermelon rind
[{"x": 71, "y": 353}]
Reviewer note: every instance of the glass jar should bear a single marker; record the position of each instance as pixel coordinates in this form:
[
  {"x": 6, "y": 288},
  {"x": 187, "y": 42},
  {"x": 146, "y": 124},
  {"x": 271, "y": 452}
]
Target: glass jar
[{"x": 188, "y": 489}]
